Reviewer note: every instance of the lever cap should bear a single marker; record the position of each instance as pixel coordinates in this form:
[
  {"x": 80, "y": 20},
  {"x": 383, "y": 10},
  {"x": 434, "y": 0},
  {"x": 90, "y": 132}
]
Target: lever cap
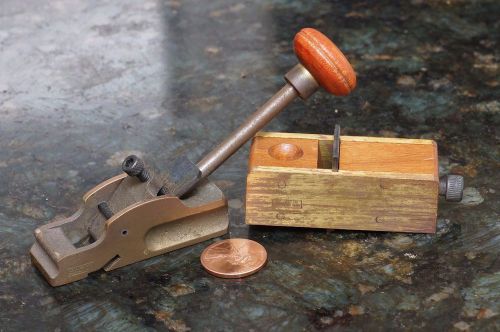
[{"x": 324, "y": 61}]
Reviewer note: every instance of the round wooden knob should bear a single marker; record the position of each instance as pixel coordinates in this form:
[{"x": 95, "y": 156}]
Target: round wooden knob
[{"x": 324, "y": 61}]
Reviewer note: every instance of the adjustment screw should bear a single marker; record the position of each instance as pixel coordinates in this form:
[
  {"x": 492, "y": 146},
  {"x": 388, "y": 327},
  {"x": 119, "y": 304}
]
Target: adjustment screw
[
  {"x": 134, "y": 166},
  {"x": 163, "y": 191},
  {"x": 451, "y": 187},
  {"x": 105, "y": 210}
]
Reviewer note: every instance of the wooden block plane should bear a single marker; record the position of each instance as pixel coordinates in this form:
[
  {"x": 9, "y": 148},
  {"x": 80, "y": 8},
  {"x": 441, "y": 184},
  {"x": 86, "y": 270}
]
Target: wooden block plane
[{"x": 361, "y": 183}]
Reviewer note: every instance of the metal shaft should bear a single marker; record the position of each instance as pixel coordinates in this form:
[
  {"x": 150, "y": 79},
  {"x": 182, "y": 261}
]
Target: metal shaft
[
  {"x": 183, "y": 175},
  {"x": 247, "y": 130}
]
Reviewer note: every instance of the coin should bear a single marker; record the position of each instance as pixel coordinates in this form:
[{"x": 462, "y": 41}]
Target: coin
[{"x": 234, "y": 258}]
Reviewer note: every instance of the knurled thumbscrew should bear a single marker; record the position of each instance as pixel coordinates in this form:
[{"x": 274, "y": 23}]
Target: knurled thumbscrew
[
  {"x": 451, "y": 187},
  {"x": 134, "y": 166}
]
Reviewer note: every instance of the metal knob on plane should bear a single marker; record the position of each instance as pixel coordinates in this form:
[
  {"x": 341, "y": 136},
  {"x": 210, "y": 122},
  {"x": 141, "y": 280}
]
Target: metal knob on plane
[{"x": 451, "y": 187}]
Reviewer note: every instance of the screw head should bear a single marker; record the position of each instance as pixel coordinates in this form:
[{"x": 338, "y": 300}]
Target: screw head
[
  {"x": 452, "y": 187},
  {"x": 133, "y": 165}
]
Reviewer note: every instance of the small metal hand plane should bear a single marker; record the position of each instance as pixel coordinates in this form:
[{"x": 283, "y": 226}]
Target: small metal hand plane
[{"x": 142, "y": 213}]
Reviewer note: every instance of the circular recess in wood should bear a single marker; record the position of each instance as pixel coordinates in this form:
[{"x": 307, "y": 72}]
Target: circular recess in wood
[{"x": 285, "y": 151}]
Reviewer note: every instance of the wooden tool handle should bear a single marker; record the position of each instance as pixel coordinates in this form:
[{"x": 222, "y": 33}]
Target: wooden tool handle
[{"x": 324, "y": 61}]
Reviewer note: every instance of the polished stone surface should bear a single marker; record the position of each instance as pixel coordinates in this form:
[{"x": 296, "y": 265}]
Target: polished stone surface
[{"x": 84, "y": 83}]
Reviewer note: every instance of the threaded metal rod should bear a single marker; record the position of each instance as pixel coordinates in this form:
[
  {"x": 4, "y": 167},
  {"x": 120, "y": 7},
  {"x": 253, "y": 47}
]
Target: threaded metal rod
[{"x": 247, "y": 130}]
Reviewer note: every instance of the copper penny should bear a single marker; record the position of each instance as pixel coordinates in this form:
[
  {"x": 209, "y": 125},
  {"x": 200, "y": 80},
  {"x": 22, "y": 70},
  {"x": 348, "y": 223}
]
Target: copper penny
[{"x": 234, "y": 258}]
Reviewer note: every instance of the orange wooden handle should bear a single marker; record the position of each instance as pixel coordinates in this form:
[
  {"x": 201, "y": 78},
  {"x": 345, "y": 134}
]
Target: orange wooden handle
[{"x": 324, "y": 61}]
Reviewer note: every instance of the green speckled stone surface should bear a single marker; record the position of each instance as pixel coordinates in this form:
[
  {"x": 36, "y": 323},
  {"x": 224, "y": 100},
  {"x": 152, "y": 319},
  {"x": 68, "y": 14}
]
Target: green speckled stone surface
[{"x": 85, "y": 83}]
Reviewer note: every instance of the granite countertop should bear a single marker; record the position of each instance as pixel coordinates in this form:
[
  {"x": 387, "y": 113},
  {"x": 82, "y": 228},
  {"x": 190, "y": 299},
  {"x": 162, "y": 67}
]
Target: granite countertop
[{"x": 85, "y": 83}]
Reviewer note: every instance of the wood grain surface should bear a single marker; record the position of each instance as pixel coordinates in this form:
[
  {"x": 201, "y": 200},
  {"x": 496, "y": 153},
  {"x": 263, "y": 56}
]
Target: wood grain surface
[
  {"x": 357, "y": 153},
  {"x": 384, "y": 184},
  {"x": 324, "y": 61},
  {"x": 265, "y": 151},
  {"x": 388, "y": 157},
  {"x": 344, "y": 200}
]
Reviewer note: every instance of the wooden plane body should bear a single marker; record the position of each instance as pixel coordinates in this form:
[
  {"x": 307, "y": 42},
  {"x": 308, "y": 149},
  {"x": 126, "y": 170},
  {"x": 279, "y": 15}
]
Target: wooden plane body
[{"x": 383, "y": 184}]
